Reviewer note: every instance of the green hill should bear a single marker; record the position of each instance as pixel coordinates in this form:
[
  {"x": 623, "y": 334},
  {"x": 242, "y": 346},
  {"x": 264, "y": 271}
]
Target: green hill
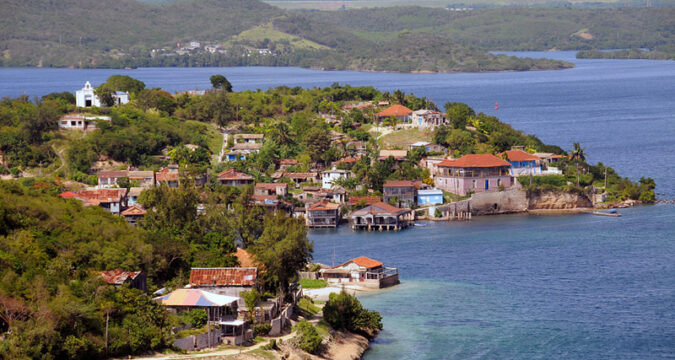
[{"x": 128, "y": 33}]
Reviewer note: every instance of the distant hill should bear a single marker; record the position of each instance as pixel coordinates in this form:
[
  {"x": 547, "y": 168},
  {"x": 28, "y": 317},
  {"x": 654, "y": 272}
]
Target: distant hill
[{"x": 128, "y": 33}]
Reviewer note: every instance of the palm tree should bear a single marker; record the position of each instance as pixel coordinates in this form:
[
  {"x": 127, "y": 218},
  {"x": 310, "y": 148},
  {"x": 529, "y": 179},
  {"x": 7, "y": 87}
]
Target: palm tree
[{"x": 578, "y": 155}]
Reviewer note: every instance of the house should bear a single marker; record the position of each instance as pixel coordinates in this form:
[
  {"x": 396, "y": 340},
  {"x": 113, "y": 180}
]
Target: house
[
  {"x": 357, "y": 148},
  {"x": 119, "y": 277},
  {"x": 398, "y": 155},
  {"x": 522, "y": 163},
  {"x": 548, "y": 158},
  {"x": 400, "y": 112},
  {"x": 233, "y": 177},
  {"x": 430, "y": 163},
  {"x": 112, "y": 200},
  {"x": 168, "y": 176},
  {"x": 276, "y": 189},
  {"x": 241, "y": 150},
  {"x": 302, "y": 178},
  {"x": 429, "y": 197},
  {"x": 145, "y": 178},
  {"x": 81, "y": 122},
  {"x": 427, "y": 118},
  {"x": 348, "y": 161},
  {"x": 134, "y": 214},
  {"x": 363, "y": 200},
  {"x": 221, "y": 310},
  {"x": 428, "y": 147},
  {"x": 215, "y": 49},
  {"x": 271, "y": 203},
  {"x": 323, "y": 214},
  {"x": 336, "y": 194},
  {"x": 365, "y": 271},
  {"x": 248, "y": 138},
  {"x": 380, "y": 216},
  {"x": 229, "y": 281},
  {"x": 85, "y": 97},
  {"x": 285, "y": 163},
  {"x": 402, "y": 192},
  {"x": 329, "y": 176},
  {"x": 133, "y": 194},
  {"x": 108, "y": 179},
  {"x": 473, "y": 173}
]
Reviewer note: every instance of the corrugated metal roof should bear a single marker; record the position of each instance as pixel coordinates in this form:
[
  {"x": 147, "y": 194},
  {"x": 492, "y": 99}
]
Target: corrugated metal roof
[
  {"x": 118, "y": 276},
  {"x": 223, "y": 276}
]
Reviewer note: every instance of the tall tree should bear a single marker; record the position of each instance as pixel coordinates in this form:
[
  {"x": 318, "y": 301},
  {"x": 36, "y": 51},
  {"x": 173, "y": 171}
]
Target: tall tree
[
  {"x": 458, "y": 114},
  {"x": 283, "y": 248},
  {"x": 220, "y": 82}
]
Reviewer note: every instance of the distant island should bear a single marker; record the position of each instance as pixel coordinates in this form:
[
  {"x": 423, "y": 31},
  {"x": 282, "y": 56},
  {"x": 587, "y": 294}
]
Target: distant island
[{"x": 251, "y": 33}]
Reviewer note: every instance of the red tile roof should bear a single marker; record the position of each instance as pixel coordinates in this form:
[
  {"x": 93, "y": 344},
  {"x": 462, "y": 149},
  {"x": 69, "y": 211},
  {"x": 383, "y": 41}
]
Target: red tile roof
[
  {"x": 519, "y": 155},
  {"x": 366, "y": 262},
  {"x": 348, "y": 160},
  {"x": 270, "y": 186},
  {"x": 323, "y": 205},
  {"x": 475, "y": 161},
  {"x": 395, "y": 110},
  {"x": 134, "y": 210},
  {"x": 288, "y": 162},
  {"x": 361, "y": 261},
  {"x": 399, "y": 183},
  {"x": 68, "y": 195},
  {"x": 112, "y": 174},
  {"x": 101, "y": 195},
  {"x": 118, "y": 276},
  {"x": 366, "y": 199},
  {"x": 380, "y": 208},
  {"x": 241, "y": 276},
  {"x": 232, "y": 174}
]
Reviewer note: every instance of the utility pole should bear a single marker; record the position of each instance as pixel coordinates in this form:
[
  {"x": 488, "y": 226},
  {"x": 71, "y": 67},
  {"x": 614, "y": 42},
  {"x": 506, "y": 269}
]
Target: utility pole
[{"x": 605, "y": 178}]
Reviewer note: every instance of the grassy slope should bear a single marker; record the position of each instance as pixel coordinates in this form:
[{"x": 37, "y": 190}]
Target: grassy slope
[
  {"x": 268, "y": 31},
  {"x": 401, "y": 139}
]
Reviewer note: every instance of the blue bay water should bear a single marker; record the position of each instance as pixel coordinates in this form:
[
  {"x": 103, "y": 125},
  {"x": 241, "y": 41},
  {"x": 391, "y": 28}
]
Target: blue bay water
[{"x": 517, "y": 286}]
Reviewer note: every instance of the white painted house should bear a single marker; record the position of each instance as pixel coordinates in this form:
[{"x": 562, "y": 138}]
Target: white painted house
[
  {"x": 81, "y": 122},
  {"x": 329, "y": 176},
  {"x": 85, "y": 97}
]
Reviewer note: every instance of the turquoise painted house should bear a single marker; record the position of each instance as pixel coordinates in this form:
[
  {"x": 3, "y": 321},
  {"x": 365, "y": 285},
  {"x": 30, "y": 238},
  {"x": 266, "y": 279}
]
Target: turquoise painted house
[{"x": 429, "y": 197}]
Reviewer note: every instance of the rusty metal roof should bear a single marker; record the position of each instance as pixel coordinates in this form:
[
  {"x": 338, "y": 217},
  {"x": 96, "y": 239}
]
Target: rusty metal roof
[
  {"x": 118, "y": 276},
  {"x": 242, "y": 276}
]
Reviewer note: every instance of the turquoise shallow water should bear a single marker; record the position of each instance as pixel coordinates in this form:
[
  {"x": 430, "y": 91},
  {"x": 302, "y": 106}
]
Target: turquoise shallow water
[{"x": 523, "y": 287}]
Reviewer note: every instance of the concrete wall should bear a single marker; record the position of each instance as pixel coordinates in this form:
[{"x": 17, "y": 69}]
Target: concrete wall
[
  {"x": 198, "y": 342},
  {"x": 503, "y": 202}
]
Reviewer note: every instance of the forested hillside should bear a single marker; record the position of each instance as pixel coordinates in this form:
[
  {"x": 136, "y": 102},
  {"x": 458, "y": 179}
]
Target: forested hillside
[{"x": 128, "y": 33}]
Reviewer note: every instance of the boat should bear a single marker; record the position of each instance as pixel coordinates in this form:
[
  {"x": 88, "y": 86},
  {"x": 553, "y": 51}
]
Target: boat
[
  {"x": 496, "y": 105},
  {"x": 420, "y": 224},
  {"x": 610, "y": 212}
]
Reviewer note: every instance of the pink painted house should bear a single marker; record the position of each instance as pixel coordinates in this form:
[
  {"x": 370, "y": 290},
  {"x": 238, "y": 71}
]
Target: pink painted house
[{"x": 473, "y": 173}]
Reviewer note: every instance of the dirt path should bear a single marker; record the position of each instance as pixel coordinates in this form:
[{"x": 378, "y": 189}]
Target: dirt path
[{"x": 207, "y": 354}]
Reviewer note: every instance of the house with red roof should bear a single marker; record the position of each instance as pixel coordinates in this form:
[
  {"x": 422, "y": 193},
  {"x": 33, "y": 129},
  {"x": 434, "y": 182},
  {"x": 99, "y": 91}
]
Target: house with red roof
[
  {"x": 522, "y": 163},
  {"x": 275, "y": 189},
  {"x": 119, "y": 277},
  {"x": 400, "y": 112},
  {"x": 323, "y": 214},
  {"x": 473, "y": 173},
  {"x": 380, "y": 216},
  {"x": 363, "y": 271},
  {"x": 134, "y": 214},
  {"x": 229, "y": 281},
  {"x": 113, "y": 200},
  {"x": 233, "y": 177}
]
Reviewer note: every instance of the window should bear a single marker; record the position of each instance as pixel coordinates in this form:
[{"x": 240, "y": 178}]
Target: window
[{"x": 473, "y": 183}]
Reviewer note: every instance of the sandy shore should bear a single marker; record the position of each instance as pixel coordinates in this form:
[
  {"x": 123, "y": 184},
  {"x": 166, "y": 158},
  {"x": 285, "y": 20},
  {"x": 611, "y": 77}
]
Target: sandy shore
[{"x": 322, "y": 294}]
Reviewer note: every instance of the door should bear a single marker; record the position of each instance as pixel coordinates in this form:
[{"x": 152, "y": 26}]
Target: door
[{"x": 487, "y": 184}]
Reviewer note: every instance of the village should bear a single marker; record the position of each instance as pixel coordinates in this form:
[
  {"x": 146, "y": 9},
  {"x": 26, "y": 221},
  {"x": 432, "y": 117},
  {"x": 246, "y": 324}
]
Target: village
[
  {"x": 228, "y": 212},
  {"x": 318, "y": 195}
]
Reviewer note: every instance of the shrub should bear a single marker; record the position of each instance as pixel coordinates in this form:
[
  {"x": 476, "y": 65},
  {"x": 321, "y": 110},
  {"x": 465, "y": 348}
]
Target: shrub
[
  {"x": 345, "y": 312},
  {"x": 196, "y": 317},
  {"x": 261, "y": 329},
  {"x": 308, "y": 338},
  {"x": 438, "y": 213},
  {"x": 313, "y": 284}
]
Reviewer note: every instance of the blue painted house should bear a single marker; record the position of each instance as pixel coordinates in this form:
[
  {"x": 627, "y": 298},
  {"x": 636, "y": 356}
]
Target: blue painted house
[
  {"x": 429, "y": 197},
  {"x": 522, "y": 163}
]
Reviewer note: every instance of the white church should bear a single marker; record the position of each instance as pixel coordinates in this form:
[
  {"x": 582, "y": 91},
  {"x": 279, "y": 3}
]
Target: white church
[{"x": 85, "y": 97}]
